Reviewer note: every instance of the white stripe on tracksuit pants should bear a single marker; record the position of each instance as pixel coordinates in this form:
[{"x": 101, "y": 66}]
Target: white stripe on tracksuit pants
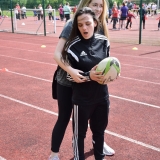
[{"x": 97, "y": 115}]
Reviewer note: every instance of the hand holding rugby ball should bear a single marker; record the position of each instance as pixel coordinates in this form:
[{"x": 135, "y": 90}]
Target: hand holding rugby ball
[{"x": 110, "y": 68}]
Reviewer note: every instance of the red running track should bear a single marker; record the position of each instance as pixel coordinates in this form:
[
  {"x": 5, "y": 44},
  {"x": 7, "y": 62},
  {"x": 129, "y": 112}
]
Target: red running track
[{"x": 28, "y": 112}]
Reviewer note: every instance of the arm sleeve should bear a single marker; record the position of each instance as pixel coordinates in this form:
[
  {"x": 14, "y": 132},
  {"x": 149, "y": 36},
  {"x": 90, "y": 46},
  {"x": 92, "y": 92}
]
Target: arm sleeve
[
  {"x": 66, "y": 30},
  {"x": 73, "y": 64},
  {"x": 85, "y": 74}
]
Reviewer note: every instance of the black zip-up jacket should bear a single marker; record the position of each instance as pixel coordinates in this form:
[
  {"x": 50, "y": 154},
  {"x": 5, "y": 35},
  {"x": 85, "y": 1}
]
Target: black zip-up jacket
[{"x": 84, "y": 54}]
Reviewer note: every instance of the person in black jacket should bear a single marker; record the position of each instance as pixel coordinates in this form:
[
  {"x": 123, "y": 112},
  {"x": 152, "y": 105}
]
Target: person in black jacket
[
  {"x": 144, "y": 13},
  {"x": 83, "y": 51}
]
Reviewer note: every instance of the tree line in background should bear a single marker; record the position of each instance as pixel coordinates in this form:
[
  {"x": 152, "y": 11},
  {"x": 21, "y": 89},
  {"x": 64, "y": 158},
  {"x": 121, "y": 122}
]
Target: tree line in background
[{"x": 5, "y": 4}]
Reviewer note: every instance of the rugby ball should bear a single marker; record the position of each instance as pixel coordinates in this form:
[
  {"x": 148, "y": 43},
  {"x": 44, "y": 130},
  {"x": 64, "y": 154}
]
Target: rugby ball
[{"x": 110, "y": 68}]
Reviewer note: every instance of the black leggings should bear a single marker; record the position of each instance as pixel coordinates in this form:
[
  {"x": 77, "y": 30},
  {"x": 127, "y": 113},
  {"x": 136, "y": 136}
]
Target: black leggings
[
  {"x": 129, "y": 21},
  {"x": 64, "y": 96}
]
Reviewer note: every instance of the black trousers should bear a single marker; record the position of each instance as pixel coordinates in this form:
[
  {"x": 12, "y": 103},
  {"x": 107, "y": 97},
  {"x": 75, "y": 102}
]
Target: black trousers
[
  {"x": 50, "y": 16},
  {"x": 67, "y": 16},
  {"x": 97, "y": 114},
  {"x": 115, "y": 20},
  {"x": 129, "y": 21},
  {"x": 143, "y": 21},
  {"x": 40, "y": 16},
  {"x": 64, "y": 97}
]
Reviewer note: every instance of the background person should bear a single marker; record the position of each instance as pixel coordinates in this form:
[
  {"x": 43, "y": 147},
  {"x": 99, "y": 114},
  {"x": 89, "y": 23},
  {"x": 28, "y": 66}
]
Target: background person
[
  {"x": 67, "y": 11},
  {"x": 18, "y": 15},
  {"x": 35, "y": 14},
  {"x": 129, "y": 19},
  {"x": 61, "y": 13},
  {"x": 123, "y": 16},
  {"x": 74, "y": 9},
  {"x": 158, "y": 23},
  {"x": 115, "y": 14},
  {"x": 49, "y": 12},
  {"x": 40, "y": 12},
  {"x": 144, "y": 14},
  {"x": 23, "y": 12}
]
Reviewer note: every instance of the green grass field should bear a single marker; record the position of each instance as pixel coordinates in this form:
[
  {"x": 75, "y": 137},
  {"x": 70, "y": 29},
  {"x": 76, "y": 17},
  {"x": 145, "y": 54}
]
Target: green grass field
[{"x": 29, "y": 13}]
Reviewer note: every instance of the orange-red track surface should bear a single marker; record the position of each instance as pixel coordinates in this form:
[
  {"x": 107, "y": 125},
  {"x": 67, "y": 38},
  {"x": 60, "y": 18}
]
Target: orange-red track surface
[{"x": 28, "y": 112}]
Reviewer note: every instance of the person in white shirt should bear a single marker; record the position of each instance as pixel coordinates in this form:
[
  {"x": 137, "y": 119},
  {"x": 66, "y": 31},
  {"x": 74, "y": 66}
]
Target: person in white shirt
[{"x": 23, "y": 12}]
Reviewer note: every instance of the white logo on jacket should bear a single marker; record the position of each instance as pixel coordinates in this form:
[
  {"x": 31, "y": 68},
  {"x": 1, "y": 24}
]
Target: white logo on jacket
[{"x": 83, "y": 53}]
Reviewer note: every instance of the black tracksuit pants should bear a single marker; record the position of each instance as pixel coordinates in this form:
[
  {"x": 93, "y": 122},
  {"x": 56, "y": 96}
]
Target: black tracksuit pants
[{"x": 98, "y": 116}]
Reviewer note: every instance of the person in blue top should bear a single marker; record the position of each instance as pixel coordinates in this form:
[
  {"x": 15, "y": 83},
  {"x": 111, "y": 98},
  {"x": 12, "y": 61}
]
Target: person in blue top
[
  {"x": 123, "y": 16},
  {"x": 90, "y": 98}
]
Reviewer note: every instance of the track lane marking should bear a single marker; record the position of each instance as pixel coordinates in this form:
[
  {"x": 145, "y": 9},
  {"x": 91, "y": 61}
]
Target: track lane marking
[
  {"x": 134, "y": 101},
  {"x": 140, "y": 66},
  {"x": 140, "y": 80},
  {"x": 112, "y": 53},
  {"x": 135, "y": 56},
  {"x": 117, "y": 97},
  {"x": 34, "y": 44},
  {"x": 29, "y": 60},
  {"x": 55, "y": 64},
  {"x": 106, "y": 131},
  {"x": 26, "y": 50},
  {"x": 1, "y": 158}
]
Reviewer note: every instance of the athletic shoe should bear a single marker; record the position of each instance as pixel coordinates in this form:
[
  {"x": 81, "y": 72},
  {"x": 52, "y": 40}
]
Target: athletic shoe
[
  {"x": 108, "y": 151},
  {"x": 54, "y": 158}
]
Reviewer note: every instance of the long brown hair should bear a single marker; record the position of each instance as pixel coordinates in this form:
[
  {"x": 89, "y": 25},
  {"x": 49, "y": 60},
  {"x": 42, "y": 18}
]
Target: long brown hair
[
  {"x": 102, "y": 18},
  {"x": 75, "y": 31}
]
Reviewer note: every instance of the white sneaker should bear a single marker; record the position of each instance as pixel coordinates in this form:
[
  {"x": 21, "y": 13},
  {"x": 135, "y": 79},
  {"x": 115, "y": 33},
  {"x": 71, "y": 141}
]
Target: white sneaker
[
  {"x": 54, "y": 158},
  {"x": 108, "y": 151}
]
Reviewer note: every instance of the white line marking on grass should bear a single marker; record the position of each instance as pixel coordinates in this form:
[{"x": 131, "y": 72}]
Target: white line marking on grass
[
  {"x": 29, "y": 60},
  {"x": 1, "y": 158},
  {"x": 140, "y": 80},
  {"x": 106, "y": 131},
  {"x": 26, "y": 50}
]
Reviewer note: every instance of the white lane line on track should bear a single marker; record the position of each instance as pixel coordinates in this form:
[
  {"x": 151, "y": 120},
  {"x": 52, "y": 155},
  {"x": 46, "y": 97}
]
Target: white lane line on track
[
  {"x": 27, "y": 50},
  {"x": 133, "y": 101},
  {"x": 130, "y": 100},
  {"x": 140, "y": 66},
  {"x": 51, "y": 81},
  {"x": 1, "y": 158},
  {"x": 29, "y": 60},
  {"x": 136, "y": 56},
  {"x": 140, "y": 80},
  {"x": 55, "y": 45},
  {"x": 27, "y": 42},
  {"x": 106, "y": 131},
  {"x": 25, "y": 75},
  {"x": 55, "y": 64}
]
